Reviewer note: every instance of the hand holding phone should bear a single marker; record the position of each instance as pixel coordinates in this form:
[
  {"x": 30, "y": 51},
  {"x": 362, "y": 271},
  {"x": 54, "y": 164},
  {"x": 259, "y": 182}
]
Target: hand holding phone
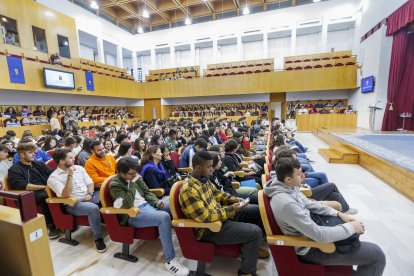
[{"x": 245, "y": 202}]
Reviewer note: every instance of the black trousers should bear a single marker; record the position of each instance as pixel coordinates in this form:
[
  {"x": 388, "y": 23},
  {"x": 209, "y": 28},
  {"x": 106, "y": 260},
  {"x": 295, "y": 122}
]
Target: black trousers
[
  {"x": 40, "y": 197},
  {"x": 329, "y": 191}
]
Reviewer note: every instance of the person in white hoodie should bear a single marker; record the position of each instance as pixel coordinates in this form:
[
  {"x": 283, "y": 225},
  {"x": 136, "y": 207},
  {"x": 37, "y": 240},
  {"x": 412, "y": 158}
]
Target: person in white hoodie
[{"x": 292, "y": 211}]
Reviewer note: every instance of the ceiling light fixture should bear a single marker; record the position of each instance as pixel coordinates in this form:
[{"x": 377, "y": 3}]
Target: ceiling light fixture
[
  {"x": 316, "y": 1},
  {"x": 246, "y": 11},
  {"x": 94, "y": 5},
  {"x": 140, "y": 30},
  {"x": 145, "y": 14},
  {"x": 187, "y": 21},
  {"x": 4, "y": 19}
]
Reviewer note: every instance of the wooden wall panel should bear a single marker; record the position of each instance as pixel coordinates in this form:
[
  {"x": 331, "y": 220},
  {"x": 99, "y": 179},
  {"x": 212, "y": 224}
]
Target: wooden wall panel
[
  {"x": 152, "y": 107},
  {"x": 311, "y": 122},
  {"x": 28, "y": 13}
]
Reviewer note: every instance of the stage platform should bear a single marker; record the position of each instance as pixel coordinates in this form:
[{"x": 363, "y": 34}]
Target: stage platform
[{"x": 388, "y": 155}]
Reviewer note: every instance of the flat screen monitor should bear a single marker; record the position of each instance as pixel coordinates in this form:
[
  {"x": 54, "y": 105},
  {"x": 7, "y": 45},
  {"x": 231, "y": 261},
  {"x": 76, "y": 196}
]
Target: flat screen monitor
[
  {"x": 58, "y": 79},
  {"x": 367, "y": 84}
]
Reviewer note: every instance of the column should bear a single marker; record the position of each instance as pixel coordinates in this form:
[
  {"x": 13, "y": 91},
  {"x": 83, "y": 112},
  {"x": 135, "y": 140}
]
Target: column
[
  {"x": 265, "y": 46},
  {"x": 153, "y": 59},
  {"x": 101, "y": 53},
  {"x": 172, "y": 57},
  {"x": 239, "y": 48},
  {"x": 135, "y": 64},
  {"x": 324, "y": 39},
  {"x": 119, "y": 58},
  {"x": 293, "y": 41},
  {"x": 215, "y": 51}
]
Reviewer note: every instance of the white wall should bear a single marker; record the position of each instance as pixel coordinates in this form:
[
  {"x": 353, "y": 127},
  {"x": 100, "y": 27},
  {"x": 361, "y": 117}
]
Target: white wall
[
  {"x": 110, "y": 59},
  {"x": 251, "y": 98},
  {"x": 318, "y": 95},
  {"x": 375, "y": 58},
  {"x": 278, "y": 48},
  {"x": 340, "y": 40},
  {"x": 14, "y": 97}
]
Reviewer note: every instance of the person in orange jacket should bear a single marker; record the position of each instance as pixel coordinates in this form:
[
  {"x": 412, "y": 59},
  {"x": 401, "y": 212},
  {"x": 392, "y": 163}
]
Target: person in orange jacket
[{"x": 99, "y": 165}]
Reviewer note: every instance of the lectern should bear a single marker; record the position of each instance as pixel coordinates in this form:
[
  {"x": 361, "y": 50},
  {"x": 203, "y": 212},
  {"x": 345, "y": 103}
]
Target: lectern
[{"x": 372, "y": 110}]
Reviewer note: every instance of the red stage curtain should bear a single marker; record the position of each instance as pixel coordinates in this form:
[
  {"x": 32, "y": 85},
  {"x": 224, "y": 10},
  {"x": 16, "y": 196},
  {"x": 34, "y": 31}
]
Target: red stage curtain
[
  {"x": 400, "y": 96},
  {"x": 401, "y": 17}
]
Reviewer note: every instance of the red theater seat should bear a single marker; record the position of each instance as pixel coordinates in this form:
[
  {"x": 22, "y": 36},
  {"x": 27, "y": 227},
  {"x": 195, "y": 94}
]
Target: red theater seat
[
  {"x": 318, "y": 66},
  {"x": 118, "y": 232},
  {"x": 308, "y": 67},
  {"x": 339, "y": 64},
  {"x": 350, "y": 63},
  {"x": 51, "y": 164},
  {"x": 298, "y": 68},
  {"x": 202, "y": 252},
  {"x": 61, "y": 218},
  {"x": 328, "y": 65},
  {"x": 283, "y": 248},
  {"x": 12, "y": 203}
]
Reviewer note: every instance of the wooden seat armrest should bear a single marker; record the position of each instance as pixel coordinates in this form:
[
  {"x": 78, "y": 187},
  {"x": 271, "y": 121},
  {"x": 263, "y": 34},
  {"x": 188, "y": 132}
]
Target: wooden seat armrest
[
  {"x": 71, "y": 201},
  {"x": 300, "y": 241},
  {"x": 244, "y": 164},
  {"x": 247, "y": 158},
  {"x": 235, "y": 185},
  {"x": 186, "y": 170},
  {"x": 190, "y": 223},
  {"x": 240, "y": 173},
  {"x": 132, "y": 212},
  {"x": 158, "y": 192},
  {"x": 306, "y": 191}
]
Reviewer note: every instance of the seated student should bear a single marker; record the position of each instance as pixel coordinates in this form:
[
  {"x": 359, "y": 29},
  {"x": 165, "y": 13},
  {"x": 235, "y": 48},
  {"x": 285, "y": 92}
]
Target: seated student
[
  {"x": 12, "y": 122},
  {"x": 173, "y": 172},
  {"x": 187, "y": 155},
  {"x": 295, "y": 215},
  {"x": 40, "y": 155},
  {"x": 85, "y": 153},
  {"x": 99, "y": 165},
  {"x": 29, "y": 120},
  {"x": 319, "y": 104},
  {"x": 171, "y": 140},
  {"x": 201, "y": 201},
  {"x": 244, "y": 191},
  {"x": 128, "y": 186},
  {"x": 223, "y": 181},
  {"x": 124, "y": 150},
  {"x": 72, "y": 180},
  {"x": 212, "y": 136},
  {"x": 153, "y": 172},
  {"x": 31, "y": 175},
  {"x": 70, "y": 143},
  {"x": 4, "y": 164}
]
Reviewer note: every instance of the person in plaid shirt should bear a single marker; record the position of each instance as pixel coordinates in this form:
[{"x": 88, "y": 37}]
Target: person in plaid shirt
[{"x": 201, "y": 201}]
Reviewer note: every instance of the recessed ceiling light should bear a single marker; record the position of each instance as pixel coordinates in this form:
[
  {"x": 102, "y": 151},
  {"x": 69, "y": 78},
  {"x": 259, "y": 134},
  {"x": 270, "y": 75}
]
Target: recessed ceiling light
[
  {"x": 145, "y": 14},
  {"x": 316, "y": 1},
  {"x": 4, "y": 19},
  {"x": 246, "y": 10},
  {"x": 140, "y": 30},
  {"x": 187, "y": 21},
  {"x": 94, "y": 5}
]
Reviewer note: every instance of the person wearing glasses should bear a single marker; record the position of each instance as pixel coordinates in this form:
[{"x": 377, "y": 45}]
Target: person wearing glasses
[{"x": 129, "y": 188}]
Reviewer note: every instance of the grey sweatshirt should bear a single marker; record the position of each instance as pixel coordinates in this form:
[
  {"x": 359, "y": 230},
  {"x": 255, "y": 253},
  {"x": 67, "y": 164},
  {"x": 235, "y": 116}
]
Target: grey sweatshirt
[{"x": 292, "y": 213}]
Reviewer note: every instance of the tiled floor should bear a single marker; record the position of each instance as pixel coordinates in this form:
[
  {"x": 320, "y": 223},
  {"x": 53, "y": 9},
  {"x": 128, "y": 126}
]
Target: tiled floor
[{"x": 389, "y": 219}]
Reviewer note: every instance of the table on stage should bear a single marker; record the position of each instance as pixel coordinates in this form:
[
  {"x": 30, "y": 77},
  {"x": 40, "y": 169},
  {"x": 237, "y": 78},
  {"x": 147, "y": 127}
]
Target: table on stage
[{"x": 311, "y": 122}]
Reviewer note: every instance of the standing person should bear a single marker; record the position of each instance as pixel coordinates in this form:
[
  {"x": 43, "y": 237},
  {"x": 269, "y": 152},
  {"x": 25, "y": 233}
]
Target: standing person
[
  {"x": 296, "y": 216},
  {"x": 30, "y": 175},
  {"x": 72, "y": 180},
  {"x": 129, "y": 186},
  {"x": 201, "y": 201},
  {"x": 54, "y": 122}
]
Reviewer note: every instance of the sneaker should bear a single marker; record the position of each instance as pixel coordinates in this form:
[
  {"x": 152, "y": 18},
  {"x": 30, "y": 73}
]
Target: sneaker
[
  {"x": 351, "y": 211},
  {"x": 263, "y": 253},
  {"x": 100, "y": 245},
  {"x": 240, "y": 273},
  {"x": 53, "y": 233},
  {"x": 176, "y": 268}
]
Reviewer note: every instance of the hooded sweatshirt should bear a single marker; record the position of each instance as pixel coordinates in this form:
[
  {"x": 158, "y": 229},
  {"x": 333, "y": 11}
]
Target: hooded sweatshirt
[{"x": 292, "y": 213}]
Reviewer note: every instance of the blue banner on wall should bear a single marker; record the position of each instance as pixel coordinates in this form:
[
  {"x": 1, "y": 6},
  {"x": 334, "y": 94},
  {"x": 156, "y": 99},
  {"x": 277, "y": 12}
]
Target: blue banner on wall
[
  {"x": 15, "y": 70},
  {"x": 90, "y": 86}
]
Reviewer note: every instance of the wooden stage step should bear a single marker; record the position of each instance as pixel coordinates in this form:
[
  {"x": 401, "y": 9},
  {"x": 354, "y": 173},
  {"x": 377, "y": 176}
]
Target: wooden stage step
[{"x": 340, "y": 155}]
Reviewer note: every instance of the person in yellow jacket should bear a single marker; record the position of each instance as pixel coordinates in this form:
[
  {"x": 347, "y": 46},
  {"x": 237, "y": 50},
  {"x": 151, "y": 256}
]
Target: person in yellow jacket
[{"x": 99, "y": 165}]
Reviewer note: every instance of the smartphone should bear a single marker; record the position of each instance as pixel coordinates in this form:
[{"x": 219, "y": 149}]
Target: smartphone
[{"x": 246, "y": 201}]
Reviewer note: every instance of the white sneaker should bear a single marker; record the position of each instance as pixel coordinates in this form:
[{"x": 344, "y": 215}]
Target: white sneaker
[
  {"x": 351, "y": 211},
  {"x": 176, "y": 268}
]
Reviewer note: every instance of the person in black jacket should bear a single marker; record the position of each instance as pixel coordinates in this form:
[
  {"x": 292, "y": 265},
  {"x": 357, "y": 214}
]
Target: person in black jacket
[
  {"x": 31, "y": 175},
  {"x": 223, "y": 180}
]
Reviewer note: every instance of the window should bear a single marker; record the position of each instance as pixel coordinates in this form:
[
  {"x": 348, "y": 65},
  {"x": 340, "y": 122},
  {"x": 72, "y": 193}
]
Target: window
[
  {"x": 9, "y": 30},
  {"x": 39, "y": 38},
  {"x": 63, "y": 43}
]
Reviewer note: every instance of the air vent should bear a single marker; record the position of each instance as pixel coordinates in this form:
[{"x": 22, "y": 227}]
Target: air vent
[
  {"x": 161, "y": 45},
  {"x": 202, "y": 39},
  {"x": 310, "y": 23},
  {"x": 252, "y": 31},
  {"x": 342, "y": 18},
  {"x": 280, "y": 27},
  {"x": 227, "y": 35}
]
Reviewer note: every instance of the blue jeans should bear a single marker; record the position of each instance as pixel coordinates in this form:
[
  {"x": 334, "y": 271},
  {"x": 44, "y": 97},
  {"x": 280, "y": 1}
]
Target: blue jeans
[
  {"x": 299, "y": 145},
  {"x": 90, "y": 209},
  {"x": 301, "y": 155},
  {"x": 149, "y": 217},
  {"x": 319, "y": 176}
]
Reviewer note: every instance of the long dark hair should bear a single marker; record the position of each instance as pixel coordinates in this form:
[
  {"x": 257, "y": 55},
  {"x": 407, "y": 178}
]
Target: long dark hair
[
  {"x": 123, "y": 149},
  {"x": 154, "y": 140},
  {"x": 147, "y": 157},
  {"x": 86, "y": 144},
  {"x": 46, "y": 145},
  {"x": 137, "y": 148}
]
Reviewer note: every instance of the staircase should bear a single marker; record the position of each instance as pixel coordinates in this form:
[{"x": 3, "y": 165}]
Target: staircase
[{"x": 340, "y": 155}]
